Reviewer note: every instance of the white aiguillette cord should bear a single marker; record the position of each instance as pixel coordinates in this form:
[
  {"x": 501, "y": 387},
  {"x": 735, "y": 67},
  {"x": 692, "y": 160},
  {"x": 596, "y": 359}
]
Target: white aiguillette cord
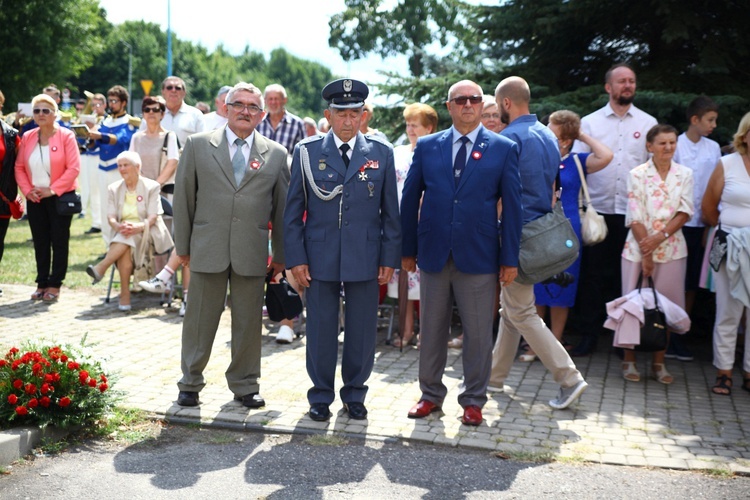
[{"x": 319, "y": 192}]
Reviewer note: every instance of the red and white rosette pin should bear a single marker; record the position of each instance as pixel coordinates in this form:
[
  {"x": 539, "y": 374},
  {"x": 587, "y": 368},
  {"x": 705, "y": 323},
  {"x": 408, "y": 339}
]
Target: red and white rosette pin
[
  {"x": 255, "y": 164},
  {"x": 139, "y": 198},
  {"x": 476, "y": 155}
]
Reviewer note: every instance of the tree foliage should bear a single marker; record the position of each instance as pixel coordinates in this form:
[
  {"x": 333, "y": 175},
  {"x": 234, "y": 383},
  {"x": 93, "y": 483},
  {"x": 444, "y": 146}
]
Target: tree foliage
[
  {"x": 366, "y": 26},
  {"x": 46, "y": 42},
  {"x": 676, "y": 45}
]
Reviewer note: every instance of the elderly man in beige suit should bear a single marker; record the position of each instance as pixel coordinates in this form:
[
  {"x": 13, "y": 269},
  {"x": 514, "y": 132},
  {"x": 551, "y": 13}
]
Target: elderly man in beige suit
[{"x": 231, "y": 182}]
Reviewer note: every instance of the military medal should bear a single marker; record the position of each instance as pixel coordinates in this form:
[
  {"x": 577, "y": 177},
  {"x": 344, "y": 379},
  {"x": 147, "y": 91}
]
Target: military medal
[
  {"x": 362, "y": 175},
  {"x": 321, "y": 164},
  {"x": 371, "y": 189}
]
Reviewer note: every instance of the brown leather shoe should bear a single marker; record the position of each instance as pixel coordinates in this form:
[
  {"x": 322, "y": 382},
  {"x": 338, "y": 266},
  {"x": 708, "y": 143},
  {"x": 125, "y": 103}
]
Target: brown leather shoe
[
  {"x": 423, "y": 408},
  {"x": 472, "y": 415}
]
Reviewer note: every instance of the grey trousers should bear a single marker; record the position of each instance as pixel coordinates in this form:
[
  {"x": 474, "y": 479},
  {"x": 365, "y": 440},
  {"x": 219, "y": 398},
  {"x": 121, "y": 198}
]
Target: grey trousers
[
  {"x": 475, "y": 297},
  {"x": 207, "y": 294}
]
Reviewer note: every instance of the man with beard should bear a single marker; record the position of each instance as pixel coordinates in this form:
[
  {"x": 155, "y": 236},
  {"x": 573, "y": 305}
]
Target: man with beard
[{"x": 621, "y": 127}]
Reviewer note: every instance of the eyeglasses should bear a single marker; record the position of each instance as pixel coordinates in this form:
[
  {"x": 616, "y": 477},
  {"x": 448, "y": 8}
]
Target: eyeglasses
[
  {"x": 487, "y": 116},
  {"x": 113, "y": 100},
  {"x": 461, "y": 100},
  {"x": 178, "y": 88},
  {"x": 239, "y": 107},
  {"x": 43, "y": 111},
  {"x": 97, "y": 105},
  {"x": 152, "y": 110}
]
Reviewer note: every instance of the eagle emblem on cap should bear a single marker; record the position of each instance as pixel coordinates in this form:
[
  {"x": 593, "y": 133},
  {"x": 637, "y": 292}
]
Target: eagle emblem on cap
[{"x": 347, "y": 85}]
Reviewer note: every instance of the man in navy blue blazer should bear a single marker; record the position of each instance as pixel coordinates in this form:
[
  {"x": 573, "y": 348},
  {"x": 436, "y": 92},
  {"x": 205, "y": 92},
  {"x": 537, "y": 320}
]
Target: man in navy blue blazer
[
  {"x": 345, "y": 183},
  {"x": 459, "y": 175}
]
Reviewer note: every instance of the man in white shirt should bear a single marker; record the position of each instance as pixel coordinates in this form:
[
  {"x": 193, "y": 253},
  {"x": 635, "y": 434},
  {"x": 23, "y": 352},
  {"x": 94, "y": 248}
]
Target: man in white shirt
[
  {"x": 217, "y": 119},
  {"x": 180, "y": 118},
  {"x": 621, "y": 127}
]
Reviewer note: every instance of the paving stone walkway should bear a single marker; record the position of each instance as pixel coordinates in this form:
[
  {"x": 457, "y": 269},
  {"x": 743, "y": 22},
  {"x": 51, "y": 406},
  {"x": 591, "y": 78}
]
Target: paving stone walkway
[{"x": 682, "y": 426}]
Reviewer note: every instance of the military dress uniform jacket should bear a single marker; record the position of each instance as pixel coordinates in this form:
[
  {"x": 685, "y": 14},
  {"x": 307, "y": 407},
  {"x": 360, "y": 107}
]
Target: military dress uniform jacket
[{"x": 368, "y": 233}]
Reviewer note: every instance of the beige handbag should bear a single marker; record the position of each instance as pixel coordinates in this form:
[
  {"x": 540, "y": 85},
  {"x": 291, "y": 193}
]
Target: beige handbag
[{"x": 593, "y": 226}]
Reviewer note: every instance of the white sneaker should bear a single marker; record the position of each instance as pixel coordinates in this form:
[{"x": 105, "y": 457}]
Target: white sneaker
[
  {"x": 498, "y": 388},
  {"x": 285, "y": 335},
  {"x": 183, "y": 306},
  {"x": 155, "y": 285}
]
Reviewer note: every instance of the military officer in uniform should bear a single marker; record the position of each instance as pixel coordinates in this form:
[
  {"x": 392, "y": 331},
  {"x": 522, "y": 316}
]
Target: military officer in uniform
[{"x": 346, "y": 183}]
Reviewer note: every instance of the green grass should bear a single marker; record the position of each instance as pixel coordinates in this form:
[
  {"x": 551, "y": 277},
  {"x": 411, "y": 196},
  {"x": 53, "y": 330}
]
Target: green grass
[
  {"x": 19, "y": 267},
  {"x": 127, "y": 425}
]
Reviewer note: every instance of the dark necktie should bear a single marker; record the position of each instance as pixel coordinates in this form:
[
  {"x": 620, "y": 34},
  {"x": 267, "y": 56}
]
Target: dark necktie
[
  {"x": 460, "y": 162},
  {"x": 345, "y": 149},
  {"x": 238, "y": 162}
]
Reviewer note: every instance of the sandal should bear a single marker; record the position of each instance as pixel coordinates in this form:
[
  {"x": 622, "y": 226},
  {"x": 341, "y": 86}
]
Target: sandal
[
  {"x": 39, "y": 294},
  {"x": 660, "y": 374},
  {"x": 723, "y": 386},
  {"x": 403, "y": 341},
  {"x": 629, "y": 372},
  {"x": 51, "y": 296},
  {"x": 527, "y": 358}
]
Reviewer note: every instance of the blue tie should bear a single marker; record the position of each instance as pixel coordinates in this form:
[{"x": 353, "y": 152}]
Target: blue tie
[
  {"x": 238, "y": 161},
  {"x": 460, "y": 162}
]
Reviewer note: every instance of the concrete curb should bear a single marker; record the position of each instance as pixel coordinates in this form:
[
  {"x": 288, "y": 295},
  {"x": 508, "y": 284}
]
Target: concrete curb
[{"x": 19, "y": 442}]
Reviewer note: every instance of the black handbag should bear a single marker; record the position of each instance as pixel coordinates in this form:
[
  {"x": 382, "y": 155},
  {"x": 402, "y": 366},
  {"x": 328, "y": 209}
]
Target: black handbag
[
  {"x": 282, "y": 300},
  {"x": 68, "y": 203},
  {"x": 654, "y": 329}
]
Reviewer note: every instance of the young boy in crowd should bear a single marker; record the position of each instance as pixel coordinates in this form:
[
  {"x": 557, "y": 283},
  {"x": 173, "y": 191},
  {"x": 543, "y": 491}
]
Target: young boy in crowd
[{"x": 696, "y": 151}]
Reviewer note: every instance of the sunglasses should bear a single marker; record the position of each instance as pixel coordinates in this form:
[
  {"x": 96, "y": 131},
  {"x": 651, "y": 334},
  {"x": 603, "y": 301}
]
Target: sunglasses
[
  {"x": 152, "y": 110},
  {"x": 174, "y": 87},
  {"x": 43, "y": 111},
  {"x": 461, "y": 100}
]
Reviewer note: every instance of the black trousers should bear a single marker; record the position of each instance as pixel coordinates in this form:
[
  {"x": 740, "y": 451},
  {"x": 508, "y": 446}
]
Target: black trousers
[
  {"x": 3, "y": 230},
  {"x": 51, "y": 234},
  {"x": 601, "y": 277}
]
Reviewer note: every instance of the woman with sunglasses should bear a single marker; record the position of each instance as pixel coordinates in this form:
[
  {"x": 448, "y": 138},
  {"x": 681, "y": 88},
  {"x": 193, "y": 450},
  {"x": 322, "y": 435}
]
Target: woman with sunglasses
[
  {"x": 156, "y": 146},
  {"x": 47, "y": 166}
]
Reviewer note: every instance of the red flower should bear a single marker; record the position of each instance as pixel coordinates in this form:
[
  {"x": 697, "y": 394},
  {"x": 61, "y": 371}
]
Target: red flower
[
  {"x": 12, "y": 399},
  {"x": 48, "y": 377},
  {"x": 63, "y": 358},
  {"x": 15, "y": 364},
  {"x": 3, "y": 363},
  {"x": 37, "y": 369},
  {"x": 63, "y": 402},
  {"x": 45, "y": 389},
  {"x": 92, "y": 382},
  {"x": 33, "y": 403},
  {"x": 30, "y": 388},
  {"x": 21, "y": 410},
  {"x": 103, "y": 378},
  {"x": 45, "y": 401},
  {"x": 55, "y": 377},
  {"x": 103, "y": 387},
  {"x": 73, "y": 365},
  {"x": 83, "y": 375},
  {"x": 17, "y": 383},
  {"x": 12, "y": 351}
]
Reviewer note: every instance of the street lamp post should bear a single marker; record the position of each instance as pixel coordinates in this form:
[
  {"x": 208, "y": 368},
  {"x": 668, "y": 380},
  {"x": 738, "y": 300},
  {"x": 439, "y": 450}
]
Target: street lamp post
[{"x": 130, "y": 76}]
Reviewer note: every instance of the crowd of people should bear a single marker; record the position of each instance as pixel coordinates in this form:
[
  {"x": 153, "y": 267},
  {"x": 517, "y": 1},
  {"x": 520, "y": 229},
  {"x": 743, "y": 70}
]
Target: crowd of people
[{"x": 253, "y": 190}]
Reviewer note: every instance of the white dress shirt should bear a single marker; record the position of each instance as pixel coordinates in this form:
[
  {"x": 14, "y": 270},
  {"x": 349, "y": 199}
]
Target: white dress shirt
[{"x": 626, "y": 137}]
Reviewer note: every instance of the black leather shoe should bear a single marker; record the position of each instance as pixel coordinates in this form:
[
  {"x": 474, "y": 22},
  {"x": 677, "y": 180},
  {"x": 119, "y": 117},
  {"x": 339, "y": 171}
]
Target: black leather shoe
[
  {"x": 253, "y": 400},
  {"x": 187, "y": 398},
  {"x": 93, "y": 230},
  {"x": 319, "y": 412},
  {"x": 357, "y": 411}
]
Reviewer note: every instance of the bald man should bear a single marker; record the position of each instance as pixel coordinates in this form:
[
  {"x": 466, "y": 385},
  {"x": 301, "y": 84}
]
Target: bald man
[{"x": 538, "y": 162}]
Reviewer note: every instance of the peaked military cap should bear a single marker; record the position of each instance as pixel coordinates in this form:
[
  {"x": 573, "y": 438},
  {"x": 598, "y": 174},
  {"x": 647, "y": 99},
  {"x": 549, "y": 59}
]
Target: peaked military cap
[{"x": 345, "y": 93}]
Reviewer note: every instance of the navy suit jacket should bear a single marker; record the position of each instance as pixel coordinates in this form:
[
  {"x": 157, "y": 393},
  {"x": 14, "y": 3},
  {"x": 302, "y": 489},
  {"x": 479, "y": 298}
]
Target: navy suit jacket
[
  {"x": 462, "y": 220},
  {"x": 370, "y": 232}
]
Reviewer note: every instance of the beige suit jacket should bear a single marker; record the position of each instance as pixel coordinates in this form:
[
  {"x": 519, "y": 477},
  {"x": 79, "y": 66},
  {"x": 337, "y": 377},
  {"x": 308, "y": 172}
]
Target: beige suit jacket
[
  {"x": 148, "y": 203},
  {"x": 218, "y": 223}
]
